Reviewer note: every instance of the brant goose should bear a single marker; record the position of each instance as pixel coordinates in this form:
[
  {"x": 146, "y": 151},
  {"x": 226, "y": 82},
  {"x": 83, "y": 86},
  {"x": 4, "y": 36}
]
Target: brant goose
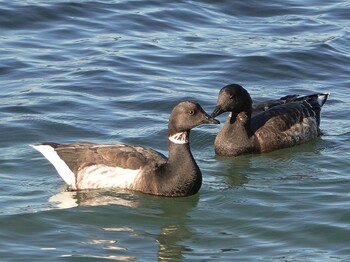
[
  {"x": 90, "y": 166},
  {"x": 289, "y": 121}
]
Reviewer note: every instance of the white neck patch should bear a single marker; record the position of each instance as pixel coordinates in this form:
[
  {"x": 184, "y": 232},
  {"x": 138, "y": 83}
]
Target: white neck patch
[{"x": 179, "y": 138}]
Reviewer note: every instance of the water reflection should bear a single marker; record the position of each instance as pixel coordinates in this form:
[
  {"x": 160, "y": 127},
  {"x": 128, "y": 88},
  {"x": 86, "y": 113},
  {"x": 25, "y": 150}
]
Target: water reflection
[
  {"x": 287, "y": 163},
  {"x": 67, "y": 199},
  {"x": 169, "y": 214},
  {"x": 175, "y": 231},
  {"x": 233, "y": 169}
]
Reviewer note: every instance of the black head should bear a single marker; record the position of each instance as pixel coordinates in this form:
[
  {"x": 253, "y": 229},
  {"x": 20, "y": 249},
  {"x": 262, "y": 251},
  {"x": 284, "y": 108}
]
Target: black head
[
  {"x": 233, "y": 98},
  {"x": 187, "y": 115}
]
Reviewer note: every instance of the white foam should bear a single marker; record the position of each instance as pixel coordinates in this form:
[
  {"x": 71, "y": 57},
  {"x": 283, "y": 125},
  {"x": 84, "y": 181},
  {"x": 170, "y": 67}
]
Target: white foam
[{"x": 61, "y": 167}]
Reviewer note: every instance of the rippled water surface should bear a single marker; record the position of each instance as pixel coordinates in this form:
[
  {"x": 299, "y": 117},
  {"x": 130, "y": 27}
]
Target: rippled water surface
[{"x": 110, "y": 72}]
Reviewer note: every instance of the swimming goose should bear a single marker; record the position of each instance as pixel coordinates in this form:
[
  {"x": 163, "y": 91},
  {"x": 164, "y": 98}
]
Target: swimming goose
[
  {"x": 294, "y": 122},
  {"x": 91, "y": 166}
]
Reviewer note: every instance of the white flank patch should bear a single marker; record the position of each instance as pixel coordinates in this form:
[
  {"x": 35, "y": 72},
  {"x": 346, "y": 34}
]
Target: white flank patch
[
  {"x": 101, "y": 176},
  {"x": 179, "y": 138},
  {"x": 61, "y": 167}
]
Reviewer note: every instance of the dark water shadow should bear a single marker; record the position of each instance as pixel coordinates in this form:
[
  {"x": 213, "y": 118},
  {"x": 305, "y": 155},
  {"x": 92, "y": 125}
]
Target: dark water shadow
[
  {"x": 233, "y": 170},
  {"x": 174, "y": 230}
]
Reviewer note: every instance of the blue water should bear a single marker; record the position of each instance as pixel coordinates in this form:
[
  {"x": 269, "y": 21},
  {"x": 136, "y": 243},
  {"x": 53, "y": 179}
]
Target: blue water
[{"x": 110, "y": 72}]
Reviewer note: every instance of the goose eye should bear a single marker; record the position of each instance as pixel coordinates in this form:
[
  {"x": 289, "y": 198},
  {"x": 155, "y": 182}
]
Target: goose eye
[{"x": 191, "y": 112}]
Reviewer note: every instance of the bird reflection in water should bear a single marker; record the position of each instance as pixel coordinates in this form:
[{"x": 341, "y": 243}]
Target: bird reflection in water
[{"x": 170, "y": 216}]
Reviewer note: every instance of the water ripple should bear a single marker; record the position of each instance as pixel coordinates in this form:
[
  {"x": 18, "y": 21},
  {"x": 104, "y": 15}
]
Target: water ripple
[{"x": 110, "y": 72}]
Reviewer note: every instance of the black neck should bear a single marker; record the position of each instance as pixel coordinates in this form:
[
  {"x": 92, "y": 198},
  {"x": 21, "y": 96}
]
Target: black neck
[
  {"x": 182, "y": 176},
  {"x": 240, "y": 123}
]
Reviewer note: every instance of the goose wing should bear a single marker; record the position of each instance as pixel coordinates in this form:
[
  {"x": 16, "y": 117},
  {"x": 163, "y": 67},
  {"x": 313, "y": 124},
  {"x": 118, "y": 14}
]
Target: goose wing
[{"x": 90, "y": 165}]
